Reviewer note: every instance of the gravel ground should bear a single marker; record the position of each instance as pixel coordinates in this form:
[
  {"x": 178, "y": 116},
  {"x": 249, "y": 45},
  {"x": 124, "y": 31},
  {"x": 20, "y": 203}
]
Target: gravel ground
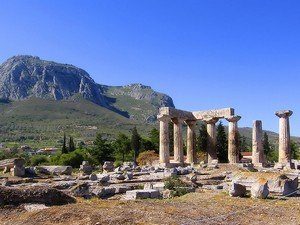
[{"x": 194, "y": 208}]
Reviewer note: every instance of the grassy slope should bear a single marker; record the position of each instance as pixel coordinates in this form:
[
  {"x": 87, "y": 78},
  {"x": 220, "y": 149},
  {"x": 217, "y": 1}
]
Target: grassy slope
[{"x": 43, "y": 122}]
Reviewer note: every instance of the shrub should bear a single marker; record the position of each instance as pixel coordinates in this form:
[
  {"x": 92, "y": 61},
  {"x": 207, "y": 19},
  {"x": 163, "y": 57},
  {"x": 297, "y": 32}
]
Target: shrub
[
  {"x": 38, "y": 160},
  {"x": 177, "y": 186},
  {"x": 73, "y": 159},
  {"x": 147, "y": 158}
]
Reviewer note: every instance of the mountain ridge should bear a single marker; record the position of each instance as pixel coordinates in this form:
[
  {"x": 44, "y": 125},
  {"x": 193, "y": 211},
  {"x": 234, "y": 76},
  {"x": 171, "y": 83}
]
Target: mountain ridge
[{"x": 25, "y": 76}]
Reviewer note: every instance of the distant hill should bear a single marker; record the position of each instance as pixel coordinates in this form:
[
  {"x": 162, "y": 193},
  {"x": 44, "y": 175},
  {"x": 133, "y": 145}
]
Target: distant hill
[
  {"x": 40, "y": 100},
  {"x": 23, "y": 77}
]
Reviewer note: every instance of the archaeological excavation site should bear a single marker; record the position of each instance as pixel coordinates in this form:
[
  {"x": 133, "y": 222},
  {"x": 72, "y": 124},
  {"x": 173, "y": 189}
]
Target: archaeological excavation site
[{"x": 171, "y": 189}]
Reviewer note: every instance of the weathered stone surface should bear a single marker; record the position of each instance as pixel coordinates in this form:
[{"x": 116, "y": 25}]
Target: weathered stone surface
[
  {"x": 190, "y": 144},
  {"x": 61, "y": 185},
  {"x": 164, "y": 148},
  {"x": 55, "y": 170},
  {"x": 108, "y": 166},
  {"x": 283, "y": 185},
  {"x": 39, "y": 195},
  {"x": 103, "y": 178},
  {"x": 260, "y": 189},
  {"x": 233, "y": 151},
  {"x": 122, "y": 189},
  {"x": 102, "y": 192},
  {"x": 258, "y": 157},
  {"x": 81, "y": 190},
  {"x": 93, "y": 177},
  {"x": 129, "y": 176},
  {"x": 211, "y": 144},
  {"x": 284, "y": 136},
  {"x": 237, "y": 190},
  {"x": 10, "y": 163},
  {"x": 86, "y": 168},
  {"x": 141, "y": 194},
  {"x": 178, "y": 141},
  {"x": 18, "y": 171}
]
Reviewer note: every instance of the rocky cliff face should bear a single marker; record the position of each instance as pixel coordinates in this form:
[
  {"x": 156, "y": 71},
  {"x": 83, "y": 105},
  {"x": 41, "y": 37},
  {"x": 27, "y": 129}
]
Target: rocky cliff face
[{"x": 22, "y": 77}]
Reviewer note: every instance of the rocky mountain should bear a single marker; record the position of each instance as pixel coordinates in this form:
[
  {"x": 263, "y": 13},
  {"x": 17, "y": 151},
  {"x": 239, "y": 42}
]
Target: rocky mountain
[{"x": 23, "y": 77}]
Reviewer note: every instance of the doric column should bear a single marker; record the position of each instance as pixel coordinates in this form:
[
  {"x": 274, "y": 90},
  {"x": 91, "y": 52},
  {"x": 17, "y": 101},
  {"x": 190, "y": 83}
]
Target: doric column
[
  {"x": 284, "y": 137},
  {"x": 233, "y": 147},
  {"x": 257, "y": 144},
  {"x": 190, "y": 140},
  {"x": 164, "y": 152},
  {"x": 178, "y": 141},
  {"x": 211, "y": 135}
]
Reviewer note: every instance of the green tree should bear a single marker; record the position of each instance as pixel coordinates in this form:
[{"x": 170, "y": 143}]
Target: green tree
[
  {"x": 266, "y": 144},
  {"x": 135, "y": 143},
  {"x": 71, "y": 145},
  {"x": 64, "y": 149},
  {"x": 222, "y": 143},
  {"x": 154, "y": 138},
  {"x": 102, "y": 150},
  {"x": 202, "y": 138},
  {"x": 122, "y": 146},
  {"x": 294, "y": 150}
]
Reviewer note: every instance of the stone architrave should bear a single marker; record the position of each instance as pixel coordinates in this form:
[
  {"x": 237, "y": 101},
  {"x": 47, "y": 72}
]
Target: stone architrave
[
  {"x": 164, "y": 141},
  {"x": 190, "y": 140},
  {"x": 233, "y": 148},
  {"x": 257, "y": 144},
  {"x": 178, "y": 141},
  {"x": 284, "y": 137},
  {"x": 211, "y": 144}
]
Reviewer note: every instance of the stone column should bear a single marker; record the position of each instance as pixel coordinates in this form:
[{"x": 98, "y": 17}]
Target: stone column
[
  {"x": 164, "y": 142},
  {"x": 178, "y": 142},
  {"x": 233, "y": 147},
  {"x": 257, "y": 144},
  {"x": 284, "y": 137},
  {"x": 190, "y": 140},
  {"x": 211, "y": 136}
]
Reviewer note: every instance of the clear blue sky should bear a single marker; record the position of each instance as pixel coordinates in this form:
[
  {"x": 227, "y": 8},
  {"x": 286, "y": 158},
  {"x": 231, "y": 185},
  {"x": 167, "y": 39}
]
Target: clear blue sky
[{"x": 205, "y": 54}]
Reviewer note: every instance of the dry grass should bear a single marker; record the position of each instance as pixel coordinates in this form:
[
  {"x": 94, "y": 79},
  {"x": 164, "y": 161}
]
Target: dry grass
[{"x": 194, "y": 208}]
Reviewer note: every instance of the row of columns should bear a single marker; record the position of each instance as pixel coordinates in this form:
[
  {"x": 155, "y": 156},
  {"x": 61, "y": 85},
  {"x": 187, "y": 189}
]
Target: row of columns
[
  {"x": 284, "y": 150},
  {"x": 164, "y": 151}
]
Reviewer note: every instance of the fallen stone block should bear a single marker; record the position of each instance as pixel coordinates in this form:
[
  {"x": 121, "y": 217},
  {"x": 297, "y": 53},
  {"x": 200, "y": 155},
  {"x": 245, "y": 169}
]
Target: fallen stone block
[
  {"x": 38, "y": 195},
  {"x": 260, "y": 189},
  {"x": 108, "y": 166},
  {"x": 142, "y": 194},
  {"x": 54, "y": 170},
  {"x": 103, "y": 178},
  {"x": 237, "y": 190},
  {"x": 283, "y": 185}
]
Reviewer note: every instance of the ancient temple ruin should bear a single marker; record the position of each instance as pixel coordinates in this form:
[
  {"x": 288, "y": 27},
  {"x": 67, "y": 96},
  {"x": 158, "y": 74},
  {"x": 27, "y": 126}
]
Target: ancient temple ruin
[{"x": 210, "y": 117}]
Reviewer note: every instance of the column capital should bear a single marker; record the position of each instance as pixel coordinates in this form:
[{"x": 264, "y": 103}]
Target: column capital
[
  {"x": 190, "y": 122},
  {"x": 163, "y": 118},
  {"x": 233, "y": 118},
  {"x": 284, "y": 113},
  {"x": 211, "y": 120},
  {"x": 177, "y": 120}
]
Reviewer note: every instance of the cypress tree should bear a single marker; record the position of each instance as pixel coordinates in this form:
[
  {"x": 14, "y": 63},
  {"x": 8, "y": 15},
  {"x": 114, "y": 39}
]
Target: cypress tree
[
  {"x": 222, "y": 144},
  {"x": 71, "y": 145},
  {"x": 64, "y": 149},
  {"x": 202, "y": 138},
  {"x": 135, "y": 143},
  {"x": 266, "y": 144}
]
